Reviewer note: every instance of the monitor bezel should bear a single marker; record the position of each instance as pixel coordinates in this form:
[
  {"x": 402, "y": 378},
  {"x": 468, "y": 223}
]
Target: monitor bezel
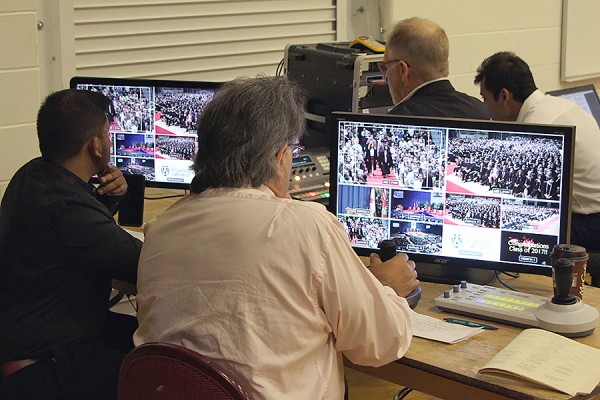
[
  {"x": 453, "y": 263},
  {"x": 92, "y": 80},
  {"x": 574, "y": 89},
  {"x": 582, "y": 89}
]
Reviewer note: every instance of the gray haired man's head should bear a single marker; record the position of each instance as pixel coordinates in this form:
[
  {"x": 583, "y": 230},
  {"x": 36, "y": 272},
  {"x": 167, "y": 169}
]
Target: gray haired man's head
[{"x": 241, "y": 130}]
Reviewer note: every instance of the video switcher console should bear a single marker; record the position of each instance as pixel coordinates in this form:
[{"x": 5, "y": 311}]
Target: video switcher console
[{"x": 491, "y": 303}]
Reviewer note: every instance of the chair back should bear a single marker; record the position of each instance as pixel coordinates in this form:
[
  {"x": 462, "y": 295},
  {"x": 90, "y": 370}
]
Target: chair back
[{"x": 164, "y": 371}]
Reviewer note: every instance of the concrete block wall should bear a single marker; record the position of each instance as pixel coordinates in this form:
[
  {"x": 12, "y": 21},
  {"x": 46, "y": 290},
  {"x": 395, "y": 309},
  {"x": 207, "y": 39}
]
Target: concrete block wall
[
  {"x": 19, "y": 80},
  {"x": 477, "y": 29}
]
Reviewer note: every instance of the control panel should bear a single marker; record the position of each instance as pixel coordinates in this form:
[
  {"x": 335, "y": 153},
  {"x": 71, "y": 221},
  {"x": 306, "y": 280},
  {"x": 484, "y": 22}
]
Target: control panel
[
  {"x": 309, "y": 179},
  {"x": 491, "y": 303}
]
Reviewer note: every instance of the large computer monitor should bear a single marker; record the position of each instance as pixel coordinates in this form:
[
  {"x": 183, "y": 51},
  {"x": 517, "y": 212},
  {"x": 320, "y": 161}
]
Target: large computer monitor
[
  {"x": 153, "y": 126},
  {"x": 463, "y": 197},
  {"x": 584, "y": 96}
]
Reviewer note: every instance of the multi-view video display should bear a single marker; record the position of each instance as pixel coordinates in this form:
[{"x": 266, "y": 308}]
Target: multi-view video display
[
  {"x": 475, "y": 194},
  {"x": 153, "y": 128}
]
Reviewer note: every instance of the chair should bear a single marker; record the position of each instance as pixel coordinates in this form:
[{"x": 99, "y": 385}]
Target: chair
[{"x": 163, "y": 371}]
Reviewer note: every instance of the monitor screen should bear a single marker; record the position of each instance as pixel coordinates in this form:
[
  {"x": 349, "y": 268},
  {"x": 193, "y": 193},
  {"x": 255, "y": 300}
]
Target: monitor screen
[
  {"x": 585, "y": 97},
  {"x": 454, "y": 194},
  {"x": 153, "y": 125}
]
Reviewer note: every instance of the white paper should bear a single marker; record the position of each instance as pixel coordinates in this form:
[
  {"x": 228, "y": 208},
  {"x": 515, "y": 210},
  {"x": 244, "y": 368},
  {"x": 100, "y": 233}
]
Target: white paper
[
  {"x": 135, "y": 234},
  {"x": 436, "y": 329}
]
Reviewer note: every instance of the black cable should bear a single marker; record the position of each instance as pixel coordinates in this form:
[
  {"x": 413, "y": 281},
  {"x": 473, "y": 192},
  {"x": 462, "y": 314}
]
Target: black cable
[
  {"x": 511, "y": 274},
  {"x": 135, "y": 306},
  {"x": 502, "y": 282},
  {"x": 164, "y": 197},
  {"x": 402, "y": 394},
  {"x": 279, "y": 71}
]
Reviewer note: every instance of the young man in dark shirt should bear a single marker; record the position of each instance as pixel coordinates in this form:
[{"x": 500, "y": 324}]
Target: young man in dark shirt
[{"x": 59, "y": 250}]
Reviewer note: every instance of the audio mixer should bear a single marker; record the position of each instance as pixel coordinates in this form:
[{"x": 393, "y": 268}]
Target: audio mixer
[{"x": 309, "y": 179}]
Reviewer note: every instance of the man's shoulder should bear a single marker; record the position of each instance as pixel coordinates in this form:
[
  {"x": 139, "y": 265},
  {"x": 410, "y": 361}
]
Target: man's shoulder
[
  {"x": 444, "y": 103},
  {"x": 309, "y": 208},
  {"x": 555, "y": 110},
  {"x": 45, "y": 186}
]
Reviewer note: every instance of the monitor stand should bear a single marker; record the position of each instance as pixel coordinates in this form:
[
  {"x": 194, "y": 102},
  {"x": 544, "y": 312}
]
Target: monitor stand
[{"x": 443, "y": 274}]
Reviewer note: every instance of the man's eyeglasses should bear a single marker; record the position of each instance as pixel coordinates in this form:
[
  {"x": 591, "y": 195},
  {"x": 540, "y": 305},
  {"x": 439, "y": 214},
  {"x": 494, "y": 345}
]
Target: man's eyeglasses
[
  {"x": 384, "y": 66},
  {"x": 296, "y": 149}
]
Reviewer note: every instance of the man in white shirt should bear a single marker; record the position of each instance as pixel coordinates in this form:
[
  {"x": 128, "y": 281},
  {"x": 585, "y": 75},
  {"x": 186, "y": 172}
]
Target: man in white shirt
[
  {"x": 266, "y": 286},
  {"x": 509, "y": 91}
]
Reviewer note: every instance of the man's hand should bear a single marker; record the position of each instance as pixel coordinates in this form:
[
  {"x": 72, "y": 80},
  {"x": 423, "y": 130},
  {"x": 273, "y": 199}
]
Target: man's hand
[
  {"x": 112, "y": 182},
  {"x": 398, "y": 273}
]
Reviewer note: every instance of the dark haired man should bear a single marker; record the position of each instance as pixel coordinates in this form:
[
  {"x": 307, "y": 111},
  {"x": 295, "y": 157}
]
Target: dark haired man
[
  {"x": 416, "y": 69},
  {"x": 59, "y": 249},
  {"x": 509, "y": 92}
]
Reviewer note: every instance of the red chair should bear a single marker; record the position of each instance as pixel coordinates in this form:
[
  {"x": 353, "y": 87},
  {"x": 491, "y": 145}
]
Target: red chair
[{"x": 163, "y": 371}]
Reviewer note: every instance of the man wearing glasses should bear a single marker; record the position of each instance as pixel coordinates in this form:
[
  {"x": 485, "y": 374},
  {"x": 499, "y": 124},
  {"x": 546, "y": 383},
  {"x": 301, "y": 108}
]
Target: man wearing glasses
[
  {"x": 415, "y": 67},
  {"x": 265, "y": 286}
]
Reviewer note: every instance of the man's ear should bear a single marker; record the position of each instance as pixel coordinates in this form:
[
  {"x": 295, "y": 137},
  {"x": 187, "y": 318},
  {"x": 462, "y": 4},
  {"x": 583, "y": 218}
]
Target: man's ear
[
  {"x": 404, "y": 70},
  {"x": 94, "y": 147},
  {"x": 280, "y": 153},
  {"x": 505, "y": 95}
]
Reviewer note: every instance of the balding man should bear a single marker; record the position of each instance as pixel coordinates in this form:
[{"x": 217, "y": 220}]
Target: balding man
[{"x": 416, "y": 68}]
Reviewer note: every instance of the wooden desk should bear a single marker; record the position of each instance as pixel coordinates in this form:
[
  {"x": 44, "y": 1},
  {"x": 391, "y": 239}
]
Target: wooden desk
[{"x": 450, "y": 371}]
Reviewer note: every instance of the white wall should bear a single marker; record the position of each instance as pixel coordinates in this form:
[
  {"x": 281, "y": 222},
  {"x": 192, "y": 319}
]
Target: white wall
[
  {"x": 19, "y": 80},
  {"x": 477, "y": 29}
]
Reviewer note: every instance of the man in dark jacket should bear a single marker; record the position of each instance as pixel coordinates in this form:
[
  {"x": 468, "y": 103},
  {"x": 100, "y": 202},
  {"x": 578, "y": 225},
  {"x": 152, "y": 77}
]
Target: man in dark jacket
[
  {"x": 416, "y": 69},
  {"x": 59, "y": 249}
]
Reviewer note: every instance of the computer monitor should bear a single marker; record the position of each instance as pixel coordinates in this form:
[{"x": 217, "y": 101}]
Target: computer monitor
[
  {"x": 153, "y": 125},
  {"x": 463, "y": 198},
  {"x": 584, "y": 96}
]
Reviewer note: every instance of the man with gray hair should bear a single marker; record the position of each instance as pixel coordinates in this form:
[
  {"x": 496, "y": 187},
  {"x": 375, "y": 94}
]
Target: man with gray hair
[
  {"x": 415, "y": 65},
  {"x": 266, "y": 286}
]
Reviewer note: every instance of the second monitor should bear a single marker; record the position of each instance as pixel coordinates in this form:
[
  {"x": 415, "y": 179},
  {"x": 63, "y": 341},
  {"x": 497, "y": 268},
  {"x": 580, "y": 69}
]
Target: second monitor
[
  {"x": 153, "y": 125},
  {"x": 454, "y": 194}
]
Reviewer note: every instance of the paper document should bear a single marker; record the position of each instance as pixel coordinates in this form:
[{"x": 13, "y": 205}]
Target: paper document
[
  {"x": 427, "y": 327},
  {"x": 549, "y": 359},
  {"x": 135, "y": 234}
]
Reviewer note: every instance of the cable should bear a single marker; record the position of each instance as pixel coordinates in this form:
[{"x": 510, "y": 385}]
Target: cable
[
  {"x": 279, "y": 71},
  {"x": 502, "y": 282},
  {"x": 164, "y": 197},
  {"x": 511, "y": 274},
  {"x": 381, "y": 30},
  {"x": 135, "y": 306},
  {"x": 167, "y": 196},
  {"x": 402, "y": 394}
]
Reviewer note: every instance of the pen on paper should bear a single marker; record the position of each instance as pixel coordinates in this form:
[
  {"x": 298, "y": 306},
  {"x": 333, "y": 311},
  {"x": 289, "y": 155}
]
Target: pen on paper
[{"x": 470, "y": 323}]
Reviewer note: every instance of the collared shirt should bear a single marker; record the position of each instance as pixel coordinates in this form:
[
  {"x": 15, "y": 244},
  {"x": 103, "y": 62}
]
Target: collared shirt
[
  {"x": 59, "y": 249},
  {"x": 540, "y": 108},
  {"x": 268, "y": 288}
]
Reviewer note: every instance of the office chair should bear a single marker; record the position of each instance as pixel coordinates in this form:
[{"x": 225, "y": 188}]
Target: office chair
[{"x": 163, "y": 371}]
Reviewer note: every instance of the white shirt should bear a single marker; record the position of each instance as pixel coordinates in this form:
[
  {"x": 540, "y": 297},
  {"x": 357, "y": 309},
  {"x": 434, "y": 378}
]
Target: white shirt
[
  {"x": 270, "y": 289},
  {"x": 539, "y": 108}
]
